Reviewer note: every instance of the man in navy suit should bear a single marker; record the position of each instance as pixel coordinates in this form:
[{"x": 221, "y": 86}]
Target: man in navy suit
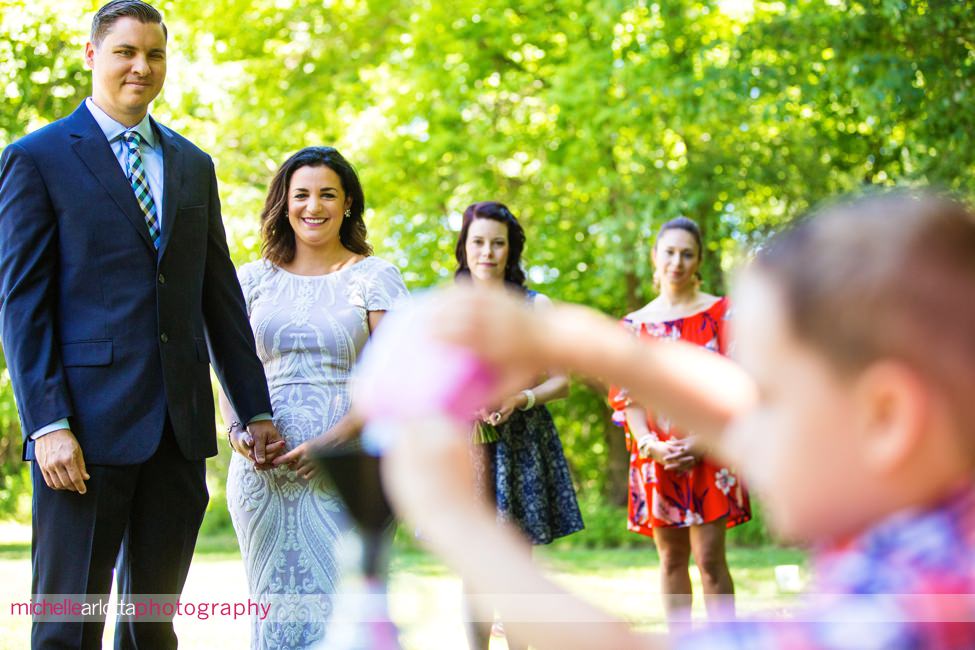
[{"x": 116, "y": 287}]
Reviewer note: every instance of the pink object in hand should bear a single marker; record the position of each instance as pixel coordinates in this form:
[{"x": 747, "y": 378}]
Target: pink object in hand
[{"x": 405, "y": 374}]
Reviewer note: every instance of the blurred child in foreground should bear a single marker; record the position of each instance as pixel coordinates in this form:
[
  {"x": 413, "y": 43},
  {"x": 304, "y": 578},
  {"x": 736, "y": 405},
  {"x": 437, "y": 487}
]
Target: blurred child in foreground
[{"x": 852, "y": 414}]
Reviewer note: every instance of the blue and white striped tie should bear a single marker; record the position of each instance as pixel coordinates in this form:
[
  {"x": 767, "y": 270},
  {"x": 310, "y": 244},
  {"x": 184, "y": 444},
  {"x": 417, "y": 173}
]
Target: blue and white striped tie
[{"x": 137, "y": 177}]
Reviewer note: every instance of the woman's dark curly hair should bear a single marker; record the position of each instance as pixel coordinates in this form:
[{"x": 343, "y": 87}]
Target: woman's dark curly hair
[{"x": 278, "y": 238}]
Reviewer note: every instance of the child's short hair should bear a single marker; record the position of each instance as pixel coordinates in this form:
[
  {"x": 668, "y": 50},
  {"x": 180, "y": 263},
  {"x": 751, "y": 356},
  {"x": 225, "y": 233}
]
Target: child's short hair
[{"x": 885, "y": 276}]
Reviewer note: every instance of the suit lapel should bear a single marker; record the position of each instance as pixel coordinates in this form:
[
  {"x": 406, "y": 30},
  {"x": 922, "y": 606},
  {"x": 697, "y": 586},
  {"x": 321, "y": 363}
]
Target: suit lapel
[
  {"x": 91, "y": 146},
  {"x": 172, "y": 179}
]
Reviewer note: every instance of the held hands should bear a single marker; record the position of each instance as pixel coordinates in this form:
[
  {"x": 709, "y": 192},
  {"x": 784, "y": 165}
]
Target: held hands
[
  {"x": 674, "y": 455},
  {"x": 59, "y": 457},
  {"x": 260, "y": 442},
  {"x": 302, "y": 458},
  {"x": 681, "y": 456}
]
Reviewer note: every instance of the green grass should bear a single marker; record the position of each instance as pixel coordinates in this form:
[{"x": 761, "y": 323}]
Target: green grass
[
  {"x": 218, "y": 547},
  {"x": 15, "y": 551},
  {"x": 424, "y": 594}
]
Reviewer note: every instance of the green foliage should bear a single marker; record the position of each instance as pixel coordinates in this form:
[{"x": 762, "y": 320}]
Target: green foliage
[
  {"x": 594, "y": 121},
  {"x": 41, "y": 65}
]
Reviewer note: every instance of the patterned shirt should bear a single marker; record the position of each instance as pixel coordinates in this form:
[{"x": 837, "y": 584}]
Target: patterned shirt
[{"x": 907, "y": 583}]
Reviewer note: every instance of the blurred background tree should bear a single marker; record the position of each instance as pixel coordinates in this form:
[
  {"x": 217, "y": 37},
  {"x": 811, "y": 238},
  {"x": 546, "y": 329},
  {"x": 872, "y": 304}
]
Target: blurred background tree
[{"x": 595, "y": 121}]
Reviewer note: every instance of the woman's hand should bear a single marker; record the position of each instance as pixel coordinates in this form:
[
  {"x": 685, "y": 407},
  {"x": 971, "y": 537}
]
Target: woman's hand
[
  {"x": 302, "y": 458},
  {"x": 681, "y": 456},
  {"x": 674, "y": 455},
  {"x": 503, "y": 413},
  {"x": 650, "y": 447}
]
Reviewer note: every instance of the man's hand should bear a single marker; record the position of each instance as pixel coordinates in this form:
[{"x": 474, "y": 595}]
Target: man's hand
[
  {"x": 242, "y": 443},
  {"x": 59, "y": 457},
  {"x": 264, "y": 435}
]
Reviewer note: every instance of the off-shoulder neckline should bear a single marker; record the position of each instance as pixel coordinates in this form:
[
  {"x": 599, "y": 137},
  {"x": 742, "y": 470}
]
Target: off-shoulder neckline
[{"x": 634, "y": 317}]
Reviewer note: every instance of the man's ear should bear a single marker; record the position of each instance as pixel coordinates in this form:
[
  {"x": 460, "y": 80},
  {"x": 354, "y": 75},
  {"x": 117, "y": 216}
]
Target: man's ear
[
  {"x": 891, "y": 409},
  {"x": 90, "y": 55}
]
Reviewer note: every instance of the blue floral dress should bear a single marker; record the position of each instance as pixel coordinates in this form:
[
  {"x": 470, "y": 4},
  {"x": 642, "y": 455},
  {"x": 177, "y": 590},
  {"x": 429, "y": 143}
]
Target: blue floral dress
[{"x": 525, "y": 473}]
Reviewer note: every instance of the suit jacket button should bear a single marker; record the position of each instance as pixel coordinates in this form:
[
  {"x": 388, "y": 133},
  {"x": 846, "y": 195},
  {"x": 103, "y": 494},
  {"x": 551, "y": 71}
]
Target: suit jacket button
[
  {"x": 162, "y": 279},
  {"x": 164, "y": 338}
]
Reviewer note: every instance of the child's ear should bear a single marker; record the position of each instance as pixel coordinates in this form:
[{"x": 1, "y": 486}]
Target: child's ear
[{"x": 892, "y": 408}]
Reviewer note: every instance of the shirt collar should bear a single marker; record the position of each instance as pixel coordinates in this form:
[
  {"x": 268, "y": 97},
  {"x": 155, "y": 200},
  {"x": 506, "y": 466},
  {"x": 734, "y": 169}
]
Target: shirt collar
[
  {"x": 950, "y": 519},
  {"x": 114, "y": 129}
]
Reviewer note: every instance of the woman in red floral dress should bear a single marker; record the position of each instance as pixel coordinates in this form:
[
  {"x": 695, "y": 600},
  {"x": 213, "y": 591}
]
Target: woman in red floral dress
[{"x": 684, "y": 501}]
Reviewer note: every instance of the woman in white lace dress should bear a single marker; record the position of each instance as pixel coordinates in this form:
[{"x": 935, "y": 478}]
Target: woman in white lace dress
[{"x": 313, "y": 300}]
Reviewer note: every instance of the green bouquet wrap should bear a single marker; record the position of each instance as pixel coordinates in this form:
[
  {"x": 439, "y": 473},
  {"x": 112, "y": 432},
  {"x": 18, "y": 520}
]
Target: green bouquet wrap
[{"x": 484, "y": 433}]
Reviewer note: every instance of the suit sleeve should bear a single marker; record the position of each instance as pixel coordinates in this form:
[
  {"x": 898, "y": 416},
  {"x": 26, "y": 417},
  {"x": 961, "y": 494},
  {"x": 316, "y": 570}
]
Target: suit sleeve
[
  {"x": 28, "y": 293},
  {"x": 229, "y": 335}
]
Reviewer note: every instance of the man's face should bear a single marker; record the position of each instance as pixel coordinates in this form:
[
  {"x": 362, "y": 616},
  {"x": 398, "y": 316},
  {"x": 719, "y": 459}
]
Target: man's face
[{"x": 128, "y": 68}]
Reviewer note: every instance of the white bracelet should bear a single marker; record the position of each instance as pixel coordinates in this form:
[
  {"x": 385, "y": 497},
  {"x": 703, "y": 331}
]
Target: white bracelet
[{"x": 529, "y": 399}]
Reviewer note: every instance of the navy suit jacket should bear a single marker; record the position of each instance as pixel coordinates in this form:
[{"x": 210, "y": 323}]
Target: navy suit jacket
[{"x": 97, "y": 326}]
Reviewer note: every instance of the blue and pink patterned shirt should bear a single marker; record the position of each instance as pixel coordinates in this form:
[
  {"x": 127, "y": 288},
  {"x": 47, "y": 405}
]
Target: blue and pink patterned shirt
[{"x": 907, "y": 583}]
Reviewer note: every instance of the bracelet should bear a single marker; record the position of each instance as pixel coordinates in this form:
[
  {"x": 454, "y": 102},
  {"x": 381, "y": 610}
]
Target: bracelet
[
  {"x": 230, "y": 429},
  {"x": 644, "y": 440},
  {"x": 529, "y": 399}
]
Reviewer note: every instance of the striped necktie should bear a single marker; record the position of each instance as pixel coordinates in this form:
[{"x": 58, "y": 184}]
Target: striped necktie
[{"x": 137, "y": 177}]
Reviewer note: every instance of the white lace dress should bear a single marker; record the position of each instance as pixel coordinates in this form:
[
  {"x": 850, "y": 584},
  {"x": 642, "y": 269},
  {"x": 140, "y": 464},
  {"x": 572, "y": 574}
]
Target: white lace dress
[{"x": 309, "y": 332}]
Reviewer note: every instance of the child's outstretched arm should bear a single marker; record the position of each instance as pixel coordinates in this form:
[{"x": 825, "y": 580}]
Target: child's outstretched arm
[
  {"x": 700, "y": 390},
  {"x": 427, "y": 475}
]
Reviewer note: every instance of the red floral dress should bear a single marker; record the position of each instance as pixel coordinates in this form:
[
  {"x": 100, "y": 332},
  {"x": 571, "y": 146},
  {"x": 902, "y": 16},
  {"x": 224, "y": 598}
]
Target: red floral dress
[{"x": 659, "y": 498}]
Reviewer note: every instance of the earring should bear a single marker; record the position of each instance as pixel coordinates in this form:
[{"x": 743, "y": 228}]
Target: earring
[{"x": 348, "y": 213}]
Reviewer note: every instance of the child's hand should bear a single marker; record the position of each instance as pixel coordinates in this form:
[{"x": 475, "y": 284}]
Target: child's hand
[{"x": 499, "y": 328}]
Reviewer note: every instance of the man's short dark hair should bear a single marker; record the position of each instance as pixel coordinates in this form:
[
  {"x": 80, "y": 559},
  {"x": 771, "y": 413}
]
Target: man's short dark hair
[{"x": 111, "y": 12}]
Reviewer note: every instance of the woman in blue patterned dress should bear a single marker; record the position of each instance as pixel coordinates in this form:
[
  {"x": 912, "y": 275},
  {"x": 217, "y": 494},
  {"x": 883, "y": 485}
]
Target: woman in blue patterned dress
[
  {"x": 519, "y": 464},
  {"x": 313, "y": 301}
]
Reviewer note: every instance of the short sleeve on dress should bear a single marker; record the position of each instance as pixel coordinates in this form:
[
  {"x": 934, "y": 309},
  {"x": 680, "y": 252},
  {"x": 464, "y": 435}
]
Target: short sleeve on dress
[
  {"x": 723, "y": 315},
  {"x": 384, "y": 287},
  {"x": 249, "y": 277}
]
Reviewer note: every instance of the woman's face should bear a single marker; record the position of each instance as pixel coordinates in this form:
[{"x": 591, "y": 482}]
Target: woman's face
[
  {"x": 316, "y": 205},
  {"x": 487, "y": 250},
  {"x": 676, "y": 258}
]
